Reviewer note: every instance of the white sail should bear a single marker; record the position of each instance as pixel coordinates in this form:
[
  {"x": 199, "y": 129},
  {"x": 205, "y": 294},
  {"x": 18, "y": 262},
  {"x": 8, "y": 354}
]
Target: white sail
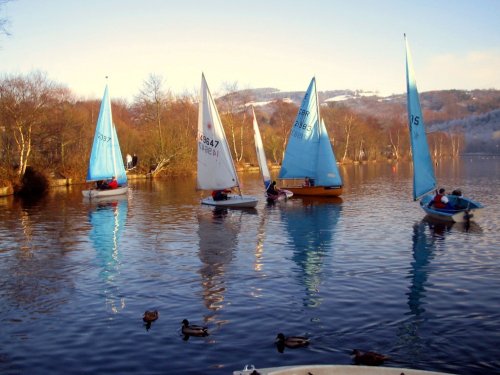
[
  {"x": 215, "y": 164},
  {"x": 261, "y": 156}
]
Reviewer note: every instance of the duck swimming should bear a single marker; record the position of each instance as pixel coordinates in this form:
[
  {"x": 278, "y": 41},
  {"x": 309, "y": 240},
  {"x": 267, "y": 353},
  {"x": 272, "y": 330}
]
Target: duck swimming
[
  {"x": 150, "y": 316},
  {"x": 368, "y": 358},
  {"x": 193, "y": 330},
  {"x": 291, "y": 341}
]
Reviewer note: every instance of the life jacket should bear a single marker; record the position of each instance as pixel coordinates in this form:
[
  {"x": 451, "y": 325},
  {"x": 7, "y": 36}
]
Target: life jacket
[{"x": 437, "y": 201}]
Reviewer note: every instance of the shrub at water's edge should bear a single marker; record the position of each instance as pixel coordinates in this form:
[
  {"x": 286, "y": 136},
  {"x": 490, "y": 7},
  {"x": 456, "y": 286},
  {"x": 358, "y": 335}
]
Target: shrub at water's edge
[{"x": 34, "y": 184}]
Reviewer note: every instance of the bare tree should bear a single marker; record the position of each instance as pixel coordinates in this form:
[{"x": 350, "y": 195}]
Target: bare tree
[
  {"x": 394, "y": 139},
  {"x": 152, "y": 100},
  {"x": 230, "y": 107},
  {"x": 282, "y": 118},
  {"x": 24, "y": 103},
  {"x": 348, "y": 127}
]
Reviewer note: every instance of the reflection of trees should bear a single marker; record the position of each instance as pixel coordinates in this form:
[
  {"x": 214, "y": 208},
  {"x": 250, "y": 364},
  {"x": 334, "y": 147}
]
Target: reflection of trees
[
  {"x": 311, "y": 227},
  {"x": 107, "y": 221},
  {"x": 218, "y": 233},
  {"x": 32, "y": 259}
]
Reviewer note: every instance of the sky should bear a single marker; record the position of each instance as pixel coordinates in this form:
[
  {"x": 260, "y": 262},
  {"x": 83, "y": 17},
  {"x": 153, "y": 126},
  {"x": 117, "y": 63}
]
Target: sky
[{"x": 355, "y": 44}]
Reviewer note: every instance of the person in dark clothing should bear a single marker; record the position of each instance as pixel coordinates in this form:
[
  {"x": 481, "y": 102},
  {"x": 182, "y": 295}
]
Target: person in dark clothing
[
  {"x": 272, "y": 191},
  {"x": 134, "y": 160}
]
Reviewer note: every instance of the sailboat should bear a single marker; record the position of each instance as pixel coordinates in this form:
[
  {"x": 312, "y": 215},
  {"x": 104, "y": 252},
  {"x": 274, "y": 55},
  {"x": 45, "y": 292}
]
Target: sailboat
[
  {"x": 309, "y": 154},
  {"x": 261, "y": 158},
  {"x": 216, "y": 170},
  {"x": 424, "y": 181},
  {"x": 106, "y": 159}
]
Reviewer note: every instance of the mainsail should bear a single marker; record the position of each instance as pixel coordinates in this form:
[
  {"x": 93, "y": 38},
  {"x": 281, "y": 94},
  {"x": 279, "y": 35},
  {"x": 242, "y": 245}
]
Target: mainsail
[
  {"x": 424, "y": 179},
  {"x": 309, "y": 152},
  {"x": 261, "y": 155},
  {"x": 215, "y": 164},
  {"x": 106, "y": 158}
]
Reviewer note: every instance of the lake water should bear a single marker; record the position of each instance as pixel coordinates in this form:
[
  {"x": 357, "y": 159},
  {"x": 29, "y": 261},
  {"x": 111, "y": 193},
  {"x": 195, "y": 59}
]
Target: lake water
[{"x": 365, "y": 271}]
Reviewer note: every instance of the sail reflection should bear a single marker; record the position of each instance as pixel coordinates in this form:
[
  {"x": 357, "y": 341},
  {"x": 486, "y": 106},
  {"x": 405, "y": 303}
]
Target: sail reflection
[
  {"x": 311, "y": 224},
  {"x": 218, "y": 231},
  {"x": 108, "y": 220}
]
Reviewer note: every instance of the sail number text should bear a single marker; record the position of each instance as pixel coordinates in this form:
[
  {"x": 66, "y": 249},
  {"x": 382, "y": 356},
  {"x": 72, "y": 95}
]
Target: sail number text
[
  {"x": 414, "y": 120},
  {"x": 207, "y": 141},
  {"x": 301, "y": 122},
  {"x": 207, "y": 145},
  {"x": 103, "y": 138}
]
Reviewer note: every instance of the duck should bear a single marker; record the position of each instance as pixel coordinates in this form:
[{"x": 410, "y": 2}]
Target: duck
[
  {"x": 291, "y": 341},
  {"x": 150, "y": 316},
  {"x": 368, "y": 358},
  {"x": 193, "y": 330}
]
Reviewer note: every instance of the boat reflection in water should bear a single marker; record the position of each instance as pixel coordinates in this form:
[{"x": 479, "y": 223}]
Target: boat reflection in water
[
  {"x": 108, "y": 220},
  {"x": 218, "y": 230},
  {"x": 428, "y": 240},
  {"x": 311, "y": 222}
]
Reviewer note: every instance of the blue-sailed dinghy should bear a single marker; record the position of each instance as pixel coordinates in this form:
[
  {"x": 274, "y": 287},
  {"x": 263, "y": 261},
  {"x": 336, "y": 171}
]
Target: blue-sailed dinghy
[
  {"x": 261, "y": 158},
  {"x": 216, "y": 170},
  {"x": 106, "y": 159},
  {"x": 459, "y": 208},
  {"x": 309, "y": 153}
]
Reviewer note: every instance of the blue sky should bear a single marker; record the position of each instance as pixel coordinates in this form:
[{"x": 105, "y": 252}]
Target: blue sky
[{"x": 355, "y": 44}]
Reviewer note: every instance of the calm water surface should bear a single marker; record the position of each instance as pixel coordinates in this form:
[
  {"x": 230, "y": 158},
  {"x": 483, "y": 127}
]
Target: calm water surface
[{"x": 365, "y": 271}]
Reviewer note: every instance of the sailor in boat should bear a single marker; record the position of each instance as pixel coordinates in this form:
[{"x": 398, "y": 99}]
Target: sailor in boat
[
  {"x": 440, "y": 200},
  {"x": 107, "y": 185},
  {"x": 220, "y": 195},
  {"x": 274, "y": 192},
  {"x": 308, "y": 182}
]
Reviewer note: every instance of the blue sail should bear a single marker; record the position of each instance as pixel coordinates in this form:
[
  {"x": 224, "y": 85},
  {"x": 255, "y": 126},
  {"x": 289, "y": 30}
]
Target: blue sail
[
  {"x": 301, "y": 154},
  {"x": 424, "y": 179},
  {"x": 327, "y": 170},
  {"x": 106, "y": 158},
  {"x": 309, "y": 152}
]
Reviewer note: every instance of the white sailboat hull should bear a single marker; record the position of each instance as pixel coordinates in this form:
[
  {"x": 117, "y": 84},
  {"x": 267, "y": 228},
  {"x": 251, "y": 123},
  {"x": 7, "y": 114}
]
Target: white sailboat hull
[
  {"x": 233, "y": 200},
  {"x": 336, "y": 370},
  {"x": 95, "y": 193}
]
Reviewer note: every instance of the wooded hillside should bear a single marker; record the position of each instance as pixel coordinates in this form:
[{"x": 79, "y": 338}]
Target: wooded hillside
[{"x": 43, "y": 124}]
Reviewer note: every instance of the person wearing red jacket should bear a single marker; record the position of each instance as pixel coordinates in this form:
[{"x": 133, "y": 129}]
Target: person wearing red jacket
[{"x": 440, "y": 200}]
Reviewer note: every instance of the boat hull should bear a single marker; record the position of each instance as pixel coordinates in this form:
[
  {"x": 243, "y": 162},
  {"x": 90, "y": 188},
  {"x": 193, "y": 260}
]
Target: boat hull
[
  {"x": 95, "y": 193},
  {"x": 336, "y": 370},
  {"x": 318, "y": 191},
  {"x": 234, "y": 200},
  {"x": 467, "y": 209},
  {"x": 286, "y": 194}
]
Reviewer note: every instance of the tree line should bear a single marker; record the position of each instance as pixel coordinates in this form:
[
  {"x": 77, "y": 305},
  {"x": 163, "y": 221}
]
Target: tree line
[{"x": 45, "y": 127}]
